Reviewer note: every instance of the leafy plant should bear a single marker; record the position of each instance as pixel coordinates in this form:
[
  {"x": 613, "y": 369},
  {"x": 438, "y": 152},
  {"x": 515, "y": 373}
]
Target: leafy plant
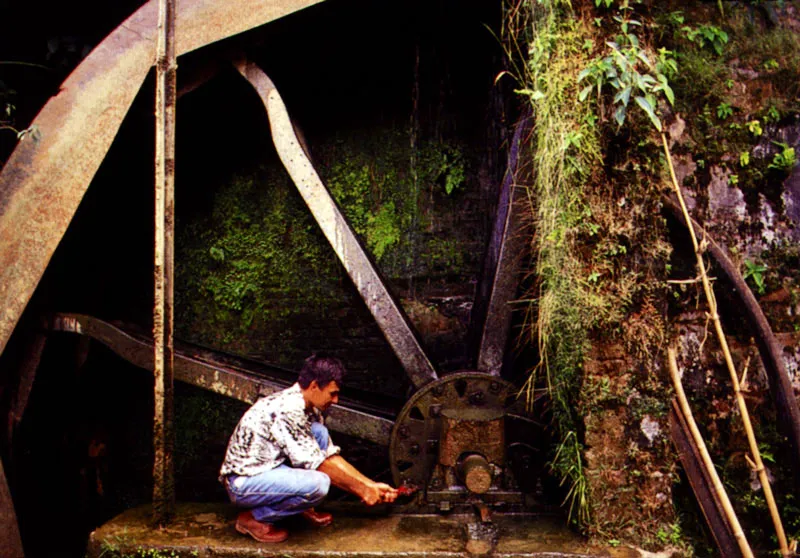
[
  {"x": 565, "y": 149},
  {"x": 707, "y": 36},
  {"x": 773, "y": 115},
  {"x": 744, "y": 158},
  {"x": 754, "y": 127},
  {"x": 785, "y": 159},
  {"x": 755, "y": 271},
  {"x": 724, "y": 110},
  {"x": 631, "y": 71}
]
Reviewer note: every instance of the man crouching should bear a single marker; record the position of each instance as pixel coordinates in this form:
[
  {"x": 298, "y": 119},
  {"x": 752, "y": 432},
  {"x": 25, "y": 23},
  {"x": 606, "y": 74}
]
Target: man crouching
[{"x": 281, "y": 460}]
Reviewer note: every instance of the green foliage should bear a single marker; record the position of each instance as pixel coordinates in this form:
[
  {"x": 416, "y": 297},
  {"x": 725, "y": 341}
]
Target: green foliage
[
  {"x": 563, "y": 305},
  {"x": 444, "y": 165},
  {"x": 755, "y": 271},
  {"x": 631, "y": 71},
  {"x": 256, "y": 243},
  {"x": 785, "y": 160},
  {"x": 123, "y": 547},
  {"x": 744, "y": 158},
  {"x": 567, "y": 464},
  {"x": 383, "y": 230},
  {"x": 388, "y": 209},
  {"x": 772, "y": 115},
  {"x": 254, "y": 250},
  {"x": 670, "y": 534},
  {"x": 707, "y": 36},
  {"x": 754, "y": 127},
  {"x": 724, "y": 110}
]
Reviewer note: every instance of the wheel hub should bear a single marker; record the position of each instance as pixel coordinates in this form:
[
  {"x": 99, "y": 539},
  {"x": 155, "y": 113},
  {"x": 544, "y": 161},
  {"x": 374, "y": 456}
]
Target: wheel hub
[{"x": 449, "y": 441}]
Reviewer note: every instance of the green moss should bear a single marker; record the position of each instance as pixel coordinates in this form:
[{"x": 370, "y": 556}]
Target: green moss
[
  {"x": 394, "y": 195},
  {"x": 253, "y": 267},
  {"x": 240, "y": 264}
]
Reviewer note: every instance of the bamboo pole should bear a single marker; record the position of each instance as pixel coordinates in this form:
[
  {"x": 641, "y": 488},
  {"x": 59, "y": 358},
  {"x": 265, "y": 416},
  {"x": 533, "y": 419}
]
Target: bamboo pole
[
  {"x": 738, "y": 534},
  {"x": 712, "y": 308},
  {"x": 163, "y": 482}
]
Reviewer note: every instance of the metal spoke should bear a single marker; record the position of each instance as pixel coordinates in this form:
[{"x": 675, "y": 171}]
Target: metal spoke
[
  {"x": 387, "y": 312},
  {"x": 501, "y": 274}
]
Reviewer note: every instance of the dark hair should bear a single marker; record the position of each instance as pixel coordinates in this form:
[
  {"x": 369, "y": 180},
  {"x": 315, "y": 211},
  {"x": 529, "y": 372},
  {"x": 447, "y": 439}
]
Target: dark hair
[{"x": 322, "y": 368}]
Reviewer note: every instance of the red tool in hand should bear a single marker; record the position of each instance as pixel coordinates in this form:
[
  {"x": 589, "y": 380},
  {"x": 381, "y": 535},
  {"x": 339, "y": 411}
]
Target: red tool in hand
[{"x": 406, "y": 490}]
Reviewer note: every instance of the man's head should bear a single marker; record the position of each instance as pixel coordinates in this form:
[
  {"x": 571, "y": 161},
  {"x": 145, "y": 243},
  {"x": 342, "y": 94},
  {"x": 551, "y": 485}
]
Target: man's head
[{"x": 320, "y": 379}]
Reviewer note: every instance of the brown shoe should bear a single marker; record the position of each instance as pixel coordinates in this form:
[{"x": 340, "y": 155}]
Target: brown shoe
[
  {"x": 246, "y": 524},
  {"x": 318, "y": 519}
]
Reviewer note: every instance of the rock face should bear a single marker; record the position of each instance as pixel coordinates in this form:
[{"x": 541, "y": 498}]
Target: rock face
[
  {"x": 629, "y": 463},
  {"x": 741, "y": 182}
]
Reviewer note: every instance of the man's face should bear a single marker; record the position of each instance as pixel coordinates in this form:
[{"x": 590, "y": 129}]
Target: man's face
[{"x": 323, "y": 398}]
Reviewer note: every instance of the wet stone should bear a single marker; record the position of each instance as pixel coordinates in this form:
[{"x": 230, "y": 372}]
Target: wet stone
[{"x": 206, "y": 530}]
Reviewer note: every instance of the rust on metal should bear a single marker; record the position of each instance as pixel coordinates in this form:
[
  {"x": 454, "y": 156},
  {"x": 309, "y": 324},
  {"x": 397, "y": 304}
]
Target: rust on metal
[
  {"x": 387, "y": 312},
  {"x": 43, "y": 181},
  {"x": 163, "y": 436},
  {"x": 701, "y": 484},
  {"x": 422, "y": 438},
  {"x": 476, "y": 473},
  {"x": 472, "y": 430},
  {"x": 222, "y": 376},
  {"x": 10, "y": 540},
  {"x": 501, "y": 273},
  {"x": 27, "y": 373}
]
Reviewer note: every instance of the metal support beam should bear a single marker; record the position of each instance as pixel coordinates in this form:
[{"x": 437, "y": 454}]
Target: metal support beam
[
  {"x": 166, "y": 66},
  {"x": 501, "y": 275},
  {"x": 10, "y": 541},
  {"x": 226, "y": 378},
  {"x": 32, "y": 356},
  {"x": 44, "y": 180},
  {"x": 387, "y": 312}
]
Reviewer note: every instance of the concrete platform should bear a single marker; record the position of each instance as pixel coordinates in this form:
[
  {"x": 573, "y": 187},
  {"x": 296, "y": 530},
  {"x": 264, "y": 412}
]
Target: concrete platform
[{"x": 207, "y": 530}]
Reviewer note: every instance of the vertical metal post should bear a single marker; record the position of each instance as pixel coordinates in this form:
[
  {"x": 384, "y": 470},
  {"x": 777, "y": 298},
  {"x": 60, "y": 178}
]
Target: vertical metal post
[{"x": 163, "y": 484}]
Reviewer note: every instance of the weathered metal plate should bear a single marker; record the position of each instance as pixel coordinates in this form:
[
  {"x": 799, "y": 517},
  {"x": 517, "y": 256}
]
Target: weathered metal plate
[{"x": 43, "y": 181}]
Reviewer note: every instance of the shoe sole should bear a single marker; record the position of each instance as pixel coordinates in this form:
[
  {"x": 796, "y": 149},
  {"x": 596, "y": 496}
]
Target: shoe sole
[
  {"x": 320, "y": 525},
  {"x": 245, "y": 531},
  {"x": 317, "y": 523}
]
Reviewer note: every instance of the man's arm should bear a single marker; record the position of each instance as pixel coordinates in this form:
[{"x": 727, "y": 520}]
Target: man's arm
[{"x": 347, "y": 477}]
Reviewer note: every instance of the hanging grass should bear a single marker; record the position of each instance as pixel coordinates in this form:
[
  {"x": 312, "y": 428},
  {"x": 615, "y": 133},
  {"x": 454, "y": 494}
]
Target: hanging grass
[{"x": 564, "y": 148}]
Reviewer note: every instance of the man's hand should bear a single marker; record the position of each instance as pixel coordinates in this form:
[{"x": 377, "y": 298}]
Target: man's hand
[
  {"x": 378, "y": 493},
  {"x": 347, "y": 477}
]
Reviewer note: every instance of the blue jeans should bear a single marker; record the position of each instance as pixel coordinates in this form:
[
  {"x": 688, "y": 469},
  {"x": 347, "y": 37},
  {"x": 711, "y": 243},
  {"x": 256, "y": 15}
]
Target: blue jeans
[{"x": 282, "y": 491}]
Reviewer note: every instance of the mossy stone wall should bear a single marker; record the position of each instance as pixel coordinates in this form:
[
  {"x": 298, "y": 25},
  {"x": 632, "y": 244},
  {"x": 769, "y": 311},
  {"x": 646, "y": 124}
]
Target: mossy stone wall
[{"x": 255, "y": 276}]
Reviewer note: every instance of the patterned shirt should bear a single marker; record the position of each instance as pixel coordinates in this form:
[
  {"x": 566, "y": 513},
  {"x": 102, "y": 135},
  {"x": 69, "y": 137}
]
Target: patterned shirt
[{"x": 276, "y": 429}]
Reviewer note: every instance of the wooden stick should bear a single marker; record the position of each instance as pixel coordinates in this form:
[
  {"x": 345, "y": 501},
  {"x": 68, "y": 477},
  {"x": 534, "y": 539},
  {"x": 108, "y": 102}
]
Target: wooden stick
[
  {"x": 738, "y": 534},
  {"x": 712, "y": 307}
]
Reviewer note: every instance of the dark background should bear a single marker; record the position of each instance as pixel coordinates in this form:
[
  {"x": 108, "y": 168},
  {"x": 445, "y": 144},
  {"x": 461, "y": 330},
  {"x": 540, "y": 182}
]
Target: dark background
[{"x": 83, "y": 452}]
